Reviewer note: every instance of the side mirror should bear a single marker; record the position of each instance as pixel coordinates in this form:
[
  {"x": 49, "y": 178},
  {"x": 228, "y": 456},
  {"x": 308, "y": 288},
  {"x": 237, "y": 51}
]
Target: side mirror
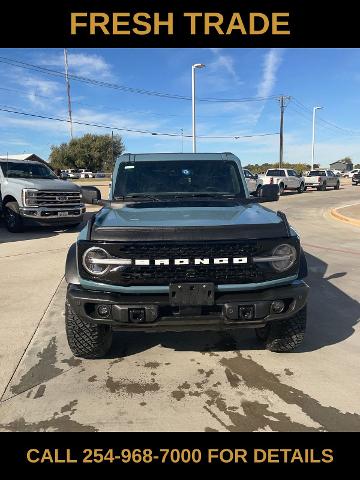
[
  {"x": 269, "y": 193},
  {"x": 90, "y": 194},
  {"x": 256, "y": 176}
]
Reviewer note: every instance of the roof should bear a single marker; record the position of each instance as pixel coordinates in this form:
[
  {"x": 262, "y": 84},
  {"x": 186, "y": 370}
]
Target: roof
[
  {"x": 344, "y": 161},
  {"x": 133, "y": 157},
  {"x": 22, "y": 156}
]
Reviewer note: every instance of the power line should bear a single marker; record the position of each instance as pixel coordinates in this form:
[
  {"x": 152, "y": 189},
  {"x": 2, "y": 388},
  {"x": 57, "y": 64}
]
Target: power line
[
  {"x": 8, "y": 109},
  {"x": 125, "y": 88}
]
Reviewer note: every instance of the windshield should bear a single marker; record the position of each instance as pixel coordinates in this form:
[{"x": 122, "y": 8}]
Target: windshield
[
  {"x": 316, "y": 173},
  {"x": 275, "y": 173},
  {"x": 26, "y": 170},
  {"x": 179, "y": 178}
]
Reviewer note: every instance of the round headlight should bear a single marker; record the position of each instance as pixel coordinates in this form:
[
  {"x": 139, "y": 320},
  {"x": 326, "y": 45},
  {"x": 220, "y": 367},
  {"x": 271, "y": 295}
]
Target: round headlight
[
  {"x": 94, "y": 261},
  {"x": 287, "y": 257}
]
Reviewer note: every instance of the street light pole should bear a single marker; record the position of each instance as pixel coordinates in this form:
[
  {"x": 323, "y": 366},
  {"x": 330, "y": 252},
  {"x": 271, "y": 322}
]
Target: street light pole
[
  {"x": 313, "y": 137},
  {"x": 196, "y": 65}
]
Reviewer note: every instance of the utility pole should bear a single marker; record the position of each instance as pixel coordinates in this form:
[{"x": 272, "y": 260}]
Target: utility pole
[
  {"x": 283, "y": 99},
  {"x": 68, "y": 91}
]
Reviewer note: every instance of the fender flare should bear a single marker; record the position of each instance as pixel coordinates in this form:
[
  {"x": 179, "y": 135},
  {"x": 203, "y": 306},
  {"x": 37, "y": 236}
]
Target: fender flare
[
  {"x": 71, "y": 267},
  {"x": 303, "y": 268}
]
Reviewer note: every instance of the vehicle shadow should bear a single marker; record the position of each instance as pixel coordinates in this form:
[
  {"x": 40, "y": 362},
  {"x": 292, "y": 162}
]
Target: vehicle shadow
[
  {"x": 332, "y": 316},
  {"x": 33, "y": 233}
]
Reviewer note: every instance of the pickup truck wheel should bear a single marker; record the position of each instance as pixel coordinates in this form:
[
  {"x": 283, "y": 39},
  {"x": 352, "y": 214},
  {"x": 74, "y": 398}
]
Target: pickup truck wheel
[
  {"x": 12, "y": 217},
  {"x": 281, "y": 189},
  {"x": 337, "y": 186},
  {"x": 258, "y": 191},
  {"x": 283, "y": 335},
  {"x": 86, "y": 340},
  {"x": 301, "y": 188}
]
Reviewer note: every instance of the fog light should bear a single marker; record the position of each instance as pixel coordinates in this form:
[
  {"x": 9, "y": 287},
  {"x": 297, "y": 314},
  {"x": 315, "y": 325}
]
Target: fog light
[
  {"x": 137, "y": 315},
  {"x": 277, "y": 306},
  {"x": 103, "y": 310},
  {"x": 246, "y": 312}
]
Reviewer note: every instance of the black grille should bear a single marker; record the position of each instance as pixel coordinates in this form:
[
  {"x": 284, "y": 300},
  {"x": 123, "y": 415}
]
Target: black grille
[
  {"x": 165, "y": 274},
  {"x": 57, "y": 198}
]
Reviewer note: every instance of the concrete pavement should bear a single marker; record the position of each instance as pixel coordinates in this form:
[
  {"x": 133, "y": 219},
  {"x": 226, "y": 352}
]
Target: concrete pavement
[{"x": 192, "y": 381}]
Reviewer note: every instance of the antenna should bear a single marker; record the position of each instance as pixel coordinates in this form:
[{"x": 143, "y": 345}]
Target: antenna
[{"x": 68, "y": 91}]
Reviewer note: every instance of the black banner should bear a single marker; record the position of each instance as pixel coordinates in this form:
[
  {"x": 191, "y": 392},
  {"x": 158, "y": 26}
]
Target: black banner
[
  {"x": 146, "y": 452},
  {"x": 156, "y": 23}
]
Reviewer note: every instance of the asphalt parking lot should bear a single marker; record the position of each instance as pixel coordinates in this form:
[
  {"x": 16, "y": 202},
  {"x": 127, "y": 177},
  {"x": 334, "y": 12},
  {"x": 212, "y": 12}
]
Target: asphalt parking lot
[{"x": 190, "y": 381}]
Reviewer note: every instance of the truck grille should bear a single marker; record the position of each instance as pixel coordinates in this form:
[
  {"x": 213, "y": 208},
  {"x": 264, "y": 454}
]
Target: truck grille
[
  {"x": 55, "y": 199},
  {"x": 229, "y": 273}
]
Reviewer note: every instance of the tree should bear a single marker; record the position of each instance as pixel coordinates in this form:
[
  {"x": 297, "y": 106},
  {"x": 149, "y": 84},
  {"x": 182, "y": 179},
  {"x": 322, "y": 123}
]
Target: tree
[
  {"x": 91, "y": 151},
  {"x": 357, "y": 165}
]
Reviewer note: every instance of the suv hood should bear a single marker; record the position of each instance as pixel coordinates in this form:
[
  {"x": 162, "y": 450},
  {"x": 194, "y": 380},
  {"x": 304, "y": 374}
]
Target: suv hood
[
  {"x": 195, "y": 222},
  {"x": 43, "y": 184}
]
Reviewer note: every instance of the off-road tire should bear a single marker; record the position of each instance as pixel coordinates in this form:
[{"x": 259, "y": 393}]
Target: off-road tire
[
  {"x": 301, "y": 189},
  {"x": 283, "y": 335},
  {"x": 86, "y": 340},
  {"x": 12, "y": 218}
]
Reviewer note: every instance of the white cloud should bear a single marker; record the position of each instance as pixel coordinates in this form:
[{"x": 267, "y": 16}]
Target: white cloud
[
  {"x": 82, "y": 64},
  {"x": 221, "y": 72},
  {"x": 271, "y": 63}
]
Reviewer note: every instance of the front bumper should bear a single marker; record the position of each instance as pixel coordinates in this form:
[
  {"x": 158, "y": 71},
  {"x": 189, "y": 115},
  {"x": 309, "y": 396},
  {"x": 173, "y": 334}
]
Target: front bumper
[
  {"x": 53, "y": 216},
  {"x": 159, "y": 316}
]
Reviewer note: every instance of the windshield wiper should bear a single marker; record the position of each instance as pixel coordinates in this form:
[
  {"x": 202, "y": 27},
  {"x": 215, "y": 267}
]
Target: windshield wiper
[
  {"x": 208, "y": 195},
  {"x": 145, "y": 197}
]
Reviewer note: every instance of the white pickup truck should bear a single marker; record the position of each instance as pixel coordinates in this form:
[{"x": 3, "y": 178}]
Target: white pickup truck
[
  {"x": 31, "y": 194},
  {"x": 286, "y": 178},
  {"x": 321, "y": 179},
  {"x": 253, "y": 182}
]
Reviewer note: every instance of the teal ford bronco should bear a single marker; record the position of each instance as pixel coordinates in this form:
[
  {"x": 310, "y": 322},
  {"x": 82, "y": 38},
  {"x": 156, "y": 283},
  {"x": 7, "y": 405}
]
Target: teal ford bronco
[{"x": 181, "y": 245}]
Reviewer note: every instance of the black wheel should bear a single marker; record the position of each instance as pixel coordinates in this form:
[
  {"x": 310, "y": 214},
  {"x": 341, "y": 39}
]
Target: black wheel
[
  {"x": 12, "y": 217},
  {"x": 281, "y": 189},
  {"x": 337, "y": 186},
  {"x": 258, "y": 191},
  {"x": 86, "y": 340},
  {"x": 301, "y": 188},
  {"x": 283, "y": 335}
]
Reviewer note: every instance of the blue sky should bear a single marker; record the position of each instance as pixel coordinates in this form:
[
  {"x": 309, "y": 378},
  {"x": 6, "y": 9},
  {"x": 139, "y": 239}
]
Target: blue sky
[{"x": 325, "y": 77}]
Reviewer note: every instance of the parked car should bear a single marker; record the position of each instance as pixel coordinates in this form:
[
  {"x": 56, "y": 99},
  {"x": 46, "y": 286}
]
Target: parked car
[
  {"x": 253, "y": 182},
  {"x": 73, "y": 173},
  {"x": 86, "y": 173},
  {"x": 286, "y": 178},
  {"x": 321, "y": 180},
  {"x": 31, "y": 194},
  {"x": 351, "y": 173},
  {"x": 63, "y": 175},
  {"x": 356, "y": 179}
]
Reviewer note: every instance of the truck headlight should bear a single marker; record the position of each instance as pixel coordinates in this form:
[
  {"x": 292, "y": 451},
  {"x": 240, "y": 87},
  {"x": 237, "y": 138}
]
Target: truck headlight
[
  {"x": 29, "y": 197},
  {"x": 94, "y": 261},
  {"x": 286, "y": 257},
  {"x": 282, "y": 257}
]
